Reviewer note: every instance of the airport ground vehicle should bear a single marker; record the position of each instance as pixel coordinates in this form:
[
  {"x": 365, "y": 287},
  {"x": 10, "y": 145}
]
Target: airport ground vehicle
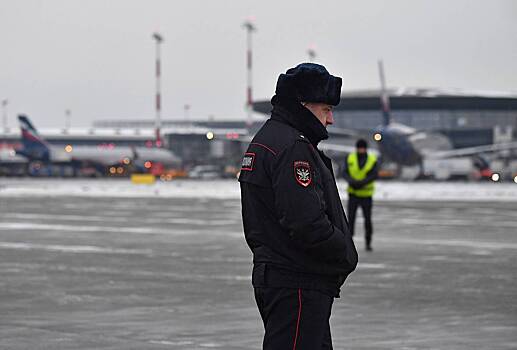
[
  {"x": 205, "y": 172},
  {"x": 460, "y": 168}
]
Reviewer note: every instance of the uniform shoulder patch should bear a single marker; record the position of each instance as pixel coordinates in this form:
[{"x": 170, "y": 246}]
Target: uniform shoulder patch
[
  {"x": 247, "y": 161},
  {"x": 302, "y": 172}
]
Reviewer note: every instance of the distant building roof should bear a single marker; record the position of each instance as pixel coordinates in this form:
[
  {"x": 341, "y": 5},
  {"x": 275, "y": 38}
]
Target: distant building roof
[
  {"x": 420, "y": 98},
  {"x": 86, "y": 133},
  {"x": 117, "y": 134}
]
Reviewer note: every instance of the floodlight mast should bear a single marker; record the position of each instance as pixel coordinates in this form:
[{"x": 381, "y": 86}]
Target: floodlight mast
[
  {"x": 311, "y": 51},
  {"x": 158, "y": 103},
  {"x": 4, "y": 114},
  {"x": 250, "y": 28}
]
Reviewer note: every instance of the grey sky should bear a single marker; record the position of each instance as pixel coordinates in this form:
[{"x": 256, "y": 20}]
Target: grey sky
[{"x": 97, "y": 57}]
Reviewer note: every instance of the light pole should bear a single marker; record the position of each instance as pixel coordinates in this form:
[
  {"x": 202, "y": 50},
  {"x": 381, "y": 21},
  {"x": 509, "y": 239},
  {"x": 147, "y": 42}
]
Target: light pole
[
  {"x": 158, "y": 123},
  {"x": 186, "y": 109},
  {"x": 311, "y": 51},
  {"x": 68, "y": 120},
  {"x": 4, "y": 114},
  {"x": 250, "y": 28}
]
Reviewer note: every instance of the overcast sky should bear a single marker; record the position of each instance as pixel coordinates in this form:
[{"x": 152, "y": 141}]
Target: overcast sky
[{"x": 96, "y": 57}]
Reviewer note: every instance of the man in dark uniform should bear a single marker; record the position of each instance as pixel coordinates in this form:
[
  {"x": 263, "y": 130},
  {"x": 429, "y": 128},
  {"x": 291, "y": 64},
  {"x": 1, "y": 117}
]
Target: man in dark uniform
[
  {"x": 293, "y": 219},
  {"x": 360, "y": 173}
]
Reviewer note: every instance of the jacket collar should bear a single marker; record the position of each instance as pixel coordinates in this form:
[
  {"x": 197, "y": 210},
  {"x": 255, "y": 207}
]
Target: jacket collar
[{"x": 293, "y": 113}]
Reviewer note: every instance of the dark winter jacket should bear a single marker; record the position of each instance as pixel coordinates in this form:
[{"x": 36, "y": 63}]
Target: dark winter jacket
[{"x": 293, "y": 219}]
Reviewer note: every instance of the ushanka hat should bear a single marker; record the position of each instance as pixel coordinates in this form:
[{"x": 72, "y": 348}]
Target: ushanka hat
[
  {"x": 309, "y": 82},
  {"x": 361, "y": 143}
]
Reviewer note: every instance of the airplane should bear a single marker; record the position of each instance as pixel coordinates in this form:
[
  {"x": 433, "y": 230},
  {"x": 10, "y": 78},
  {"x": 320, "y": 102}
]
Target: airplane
[
  {"x": 36, "y": 149},
  {"x": 408, "y": 146}
]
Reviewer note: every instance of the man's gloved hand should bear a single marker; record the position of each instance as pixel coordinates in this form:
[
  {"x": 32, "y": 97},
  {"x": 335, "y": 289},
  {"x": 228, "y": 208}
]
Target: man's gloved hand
[
  {"x": 361, "y": 183},
  {"x": 356, "y": 184}
]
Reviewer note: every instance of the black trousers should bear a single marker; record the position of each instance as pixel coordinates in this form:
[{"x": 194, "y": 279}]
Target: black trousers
[
  {"x": 294, "y": 319},
  {"x": 366, "y": 206}
]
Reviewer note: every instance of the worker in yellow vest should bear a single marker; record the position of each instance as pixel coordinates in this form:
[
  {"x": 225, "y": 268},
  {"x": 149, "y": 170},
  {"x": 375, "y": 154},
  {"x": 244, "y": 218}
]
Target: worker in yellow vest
[{"x": 361, "y": 173}]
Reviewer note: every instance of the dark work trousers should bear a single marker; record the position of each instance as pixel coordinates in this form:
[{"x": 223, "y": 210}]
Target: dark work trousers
[
  {"x": 294, "y": 319},
  {"x": 366, "y": 206}
]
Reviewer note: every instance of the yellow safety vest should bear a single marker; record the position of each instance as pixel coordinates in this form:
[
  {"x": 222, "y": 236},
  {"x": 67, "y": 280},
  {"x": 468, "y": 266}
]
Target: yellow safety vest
[{"x": 359, "y": 174}]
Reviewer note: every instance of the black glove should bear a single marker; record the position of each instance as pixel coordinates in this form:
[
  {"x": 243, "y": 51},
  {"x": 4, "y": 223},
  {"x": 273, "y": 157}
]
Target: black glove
[
  {"x": 361, "y": 183},
  {"x": 355, "y": 184}
]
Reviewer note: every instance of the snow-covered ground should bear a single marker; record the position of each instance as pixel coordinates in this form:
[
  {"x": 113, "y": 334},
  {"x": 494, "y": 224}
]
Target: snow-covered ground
[{"x": 229, "y": 189}]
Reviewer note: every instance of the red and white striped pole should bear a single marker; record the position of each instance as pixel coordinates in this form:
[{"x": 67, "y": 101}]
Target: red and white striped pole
[
  {"x": 158, "y": 122},
  {"x": 4, "y": 114},
  {"x": 311, "y": 51},
  {"x": 250, "y": 28}
]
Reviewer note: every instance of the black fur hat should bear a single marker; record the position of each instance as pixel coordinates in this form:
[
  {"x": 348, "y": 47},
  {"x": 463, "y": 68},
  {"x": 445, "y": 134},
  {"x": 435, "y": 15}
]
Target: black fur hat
[
  {"x": 361, "y": 143},
  {"x": 309, "y": 82}
]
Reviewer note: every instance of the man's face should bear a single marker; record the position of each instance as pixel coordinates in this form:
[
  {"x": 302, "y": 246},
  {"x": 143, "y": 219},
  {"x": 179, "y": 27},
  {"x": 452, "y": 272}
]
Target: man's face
[
  {"x": 322, "y": 111},
  {"x": 361, "y": 150}
]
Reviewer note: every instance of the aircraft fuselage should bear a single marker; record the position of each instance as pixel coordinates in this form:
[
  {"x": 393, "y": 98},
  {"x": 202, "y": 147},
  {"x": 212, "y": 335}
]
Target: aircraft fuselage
[{"x": 395, "y": 144}]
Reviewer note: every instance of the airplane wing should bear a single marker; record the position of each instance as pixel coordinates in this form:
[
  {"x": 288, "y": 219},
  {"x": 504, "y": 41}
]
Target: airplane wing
[
  {"x": 324, "y": 146},
  {"x": 468, "y": 151},
  {"x": 339, "y": 148},
  {"x": 161, "y": 155},
  {"x": 335, "y": 131}
]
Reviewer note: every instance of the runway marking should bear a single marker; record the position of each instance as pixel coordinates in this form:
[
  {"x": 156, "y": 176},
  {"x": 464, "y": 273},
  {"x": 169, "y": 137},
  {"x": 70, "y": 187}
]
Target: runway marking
[
  {"x": 200, "y": 221},
  {"x": 229, "y": 189},
  {"x": 9, "y": 226},
  {"x": 119, "y": 218},
  {"x": 72, "y": 248},
  {"x": 372, "y": 266},
  {"x": 48, "y": 227},
  {"x": 63, "y": 217},
  {"x": 455, "y": 222},
  {"x": 452, "y": 243},
  {"x": 167, "y": 342}
]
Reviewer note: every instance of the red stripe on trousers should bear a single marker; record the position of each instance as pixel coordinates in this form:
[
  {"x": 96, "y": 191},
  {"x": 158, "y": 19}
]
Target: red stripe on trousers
[{"x": 299, "y": 316}]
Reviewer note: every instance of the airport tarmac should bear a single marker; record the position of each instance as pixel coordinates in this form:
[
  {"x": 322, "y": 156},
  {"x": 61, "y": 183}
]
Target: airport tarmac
[{"x": 101, "y": 272}]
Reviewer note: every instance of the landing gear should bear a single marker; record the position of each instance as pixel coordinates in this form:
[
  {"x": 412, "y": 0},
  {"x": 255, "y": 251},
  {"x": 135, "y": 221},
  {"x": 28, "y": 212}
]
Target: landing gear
[{"x": 421, "y": 171}]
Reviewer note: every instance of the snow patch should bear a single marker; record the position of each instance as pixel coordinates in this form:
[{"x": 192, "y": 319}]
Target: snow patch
[{"x": 229, "y": 189}]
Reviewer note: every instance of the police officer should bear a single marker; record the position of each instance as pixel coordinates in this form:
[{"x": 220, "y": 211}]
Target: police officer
[
  {"x": 361, "y": 172},
  {"x": 293, "y": 219}
]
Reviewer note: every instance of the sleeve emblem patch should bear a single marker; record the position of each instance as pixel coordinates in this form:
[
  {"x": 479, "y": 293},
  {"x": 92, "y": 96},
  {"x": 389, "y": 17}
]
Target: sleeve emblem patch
[
  {"x": 302, "y": 173},
  {"x": 247, "y": 161}
]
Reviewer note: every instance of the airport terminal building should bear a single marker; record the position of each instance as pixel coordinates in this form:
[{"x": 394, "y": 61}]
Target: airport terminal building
[{"x": 468, "y": 118}]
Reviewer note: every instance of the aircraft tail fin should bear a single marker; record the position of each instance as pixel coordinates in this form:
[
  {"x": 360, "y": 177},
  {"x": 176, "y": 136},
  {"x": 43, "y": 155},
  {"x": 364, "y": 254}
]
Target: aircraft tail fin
[
  {"x": 34, "y": 146},
  {"x": 385, "y": 98}
]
